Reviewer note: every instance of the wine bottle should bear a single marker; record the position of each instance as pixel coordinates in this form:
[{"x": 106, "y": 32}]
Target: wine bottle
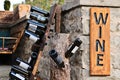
[
  {"x": 73, "y": 48},
  {"x": 57, "y": 58},
  {"x": 39, "y": 10},
  {"x": 31, "y": 36},
  {"x": 23, "y": 64},
  {"x": 15, "y": 76},
  {"x": 33, "y": 29},
  {"x": 20, "y": 70},
  {"x": 35, "y": 48},
  {"x": 37, "y": 17},
  {"x": 35, "y": 25},
  {"x": 32, "y": 59}
]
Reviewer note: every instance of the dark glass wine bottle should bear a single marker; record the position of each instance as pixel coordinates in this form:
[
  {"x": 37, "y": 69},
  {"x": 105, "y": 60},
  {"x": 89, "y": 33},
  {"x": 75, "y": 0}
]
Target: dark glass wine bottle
[
  {"x": 38, "y": 17},
  {"x": 35, "y": 48},
  {"x": 32, "y": 59},
  {"x": 73, "y": 48},
  {"x": 39, "y": 10},
  {"x": 57, "y": 58},
  {"x": 23, "y": 64},
  {"x": 31, "y": 36},
  {"x": 20, "y": 70},
  {"x": 15, "y": 76},
  {"x": 35, "y": 30},
  {"x": 35, "y": 25}
]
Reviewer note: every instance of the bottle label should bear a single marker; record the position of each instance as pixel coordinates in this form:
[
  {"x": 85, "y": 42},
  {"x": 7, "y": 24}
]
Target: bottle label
[
  {"x": 70, "y": 46},
  {"x": 32, "y": 27},
  {"x": 75, "y": 49},
  {"x": 24, "y": 65},
  {"x": 59, "y": 59},
  {"x": 34, "y": 38},
  {"x": 29, "y": 60},
  {"x": 40, "y": 18},
  {"x": 20, "y": 77}
]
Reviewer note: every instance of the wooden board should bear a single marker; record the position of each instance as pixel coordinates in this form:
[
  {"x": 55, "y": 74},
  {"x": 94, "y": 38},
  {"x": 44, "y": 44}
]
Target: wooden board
[
  {"x": 58, "y": 19},
  {"x": 100, "y": 41}
]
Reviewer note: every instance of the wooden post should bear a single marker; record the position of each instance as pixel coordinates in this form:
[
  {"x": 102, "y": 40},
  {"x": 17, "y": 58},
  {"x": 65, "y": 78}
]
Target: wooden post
[
  {"x": 58, "y": 19},
  {"x": 60, "y": 43},
  {"x": 37, "y": 63},
  {"x": 52, "y": 14}
]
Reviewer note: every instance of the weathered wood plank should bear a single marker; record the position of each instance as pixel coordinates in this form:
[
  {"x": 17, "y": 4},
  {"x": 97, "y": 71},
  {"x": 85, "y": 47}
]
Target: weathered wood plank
[
  {"x": 52, "y": 14},
  {"x": 100, "y": 41},
  {"x": 58, "y": 19},
  {"x": 6, "y": 17}
]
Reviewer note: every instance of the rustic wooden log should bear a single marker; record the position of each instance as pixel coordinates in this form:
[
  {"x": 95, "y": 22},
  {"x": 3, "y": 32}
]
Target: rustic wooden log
[
  {"x": 58, "y": 19},
  {"x": 60, "y": 43}
]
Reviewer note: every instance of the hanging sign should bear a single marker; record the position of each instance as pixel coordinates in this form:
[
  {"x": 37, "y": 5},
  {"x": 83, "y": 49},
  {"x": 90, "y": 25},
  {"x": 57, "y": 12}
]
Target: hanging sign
[{"x": 100, "y": 41}]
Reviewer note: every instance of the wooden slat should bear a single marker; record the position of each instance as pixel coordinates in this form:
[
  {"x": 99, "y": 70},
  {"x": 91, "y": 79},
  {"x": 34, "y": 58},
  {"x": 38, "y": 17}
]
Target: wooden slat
[
  {"x": 17, "y": 34},
  {"x": 37, "y": 63},
  {"x": 18, "y": 40},
  {"x": 8, "y": 38},
  {"x": 99, "y": 32},
  {"x": 10, "y": 42},
  {"x": 52, "y": 15},
  {"x": 11, "y": 47},
  {"x": 17, "y": 29},
  {"x": 6, "y": 17},
  {"x": 58, "y": 19},
  {"x": 23, "y": 19},
  {"x": 5, "y": 52}
]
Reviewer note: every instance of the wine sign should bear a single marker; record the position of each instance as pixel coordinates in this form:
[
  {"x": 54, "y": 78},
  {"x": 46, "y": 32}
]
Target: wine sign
[{"x": 100, "y": 41}]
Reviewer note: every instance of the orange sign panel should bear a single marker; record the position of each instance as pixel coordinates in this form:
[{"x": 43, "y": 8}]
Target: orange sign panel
[{"x": 100, "y": 41}]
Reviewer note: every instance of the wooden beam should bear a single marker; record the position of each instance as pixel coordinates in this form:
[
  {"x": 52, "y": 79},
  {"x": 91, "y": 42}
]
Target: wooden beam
[
  {"x": 58, "y": 19},
  {"x": 52, "y": 14},
  {"x": 23, "y": 19},
  {"x": 5, "y": 52},
  {"x": 37, "y": 63}
]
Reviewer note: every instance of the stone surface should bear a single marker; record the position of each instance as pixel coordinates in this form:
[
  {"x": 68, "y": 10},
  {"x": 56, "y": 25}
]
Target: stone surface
[
  {"x": 90, "y": 3},
  {"x": 81, "y": 58},
  {"x": 60, "y": 42},
  {"x": 4, "y": 72},
  {"x": 72, "y": 21},
  {"x": 109, "y": 3},
  {"x": 70, "y": 4},
  {"x": 85, "y": 20},
  {"x": 114, "y": 19}
]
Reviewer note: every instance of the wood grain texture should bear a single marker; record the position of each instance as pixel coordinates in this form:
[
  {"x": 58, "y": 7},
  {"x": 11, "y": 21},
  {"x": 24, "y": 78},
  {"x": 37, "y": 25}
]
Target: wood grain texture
[
  {"x": 37, "y": 63},
  {"x": 60, "y": 43},
  {"x": 58, "y": 19},
  {"x": 95, "y": 35}
]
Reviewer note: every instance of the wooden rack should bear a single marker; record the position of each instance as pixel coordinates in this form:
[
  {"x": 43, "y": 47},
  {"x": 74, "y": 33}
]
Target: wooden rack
[{"x": 6, "y": 48}]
